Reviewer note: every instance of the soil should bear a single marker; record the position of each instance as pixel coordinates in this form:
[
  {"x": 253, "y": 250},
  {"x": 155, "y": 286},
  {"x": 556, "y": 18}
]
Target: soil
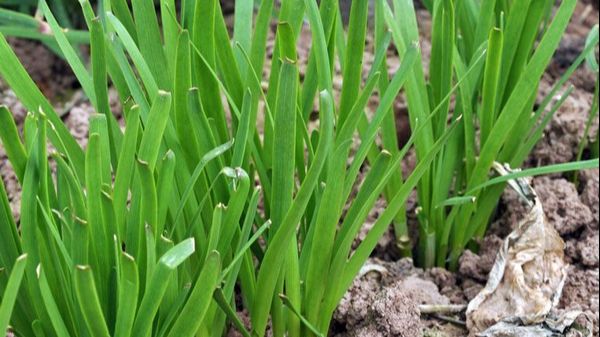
[
  {"x": 384, "y": 300},
  {"x": 572, "y": 214}
]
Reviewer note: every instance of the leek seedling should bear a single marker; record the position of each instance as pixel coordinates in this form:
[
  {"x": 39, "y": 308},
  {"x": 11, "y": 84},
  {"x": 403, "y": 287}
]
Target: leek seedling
[
  {"x": 151, "y": 227},
  {"x": 111, "y": 252},
  {"x": 148, "y": 230},
  {"x": 508, "y": 46},
  {"x": 11, "y": 291}
]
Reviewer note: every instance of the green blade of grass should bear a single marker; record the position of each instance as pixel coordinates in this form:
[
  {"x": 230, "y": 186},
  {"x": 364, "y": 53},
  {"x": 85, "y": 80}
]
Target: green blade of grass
[
  {"x": 556, "y": 168},
  {"x": 485, "y": 21},
  {"x": 287, "y": 303},
  {"x": 537, "y": 134},
  {"x": 183, "y": 83},
  {"x": 53, "y": 310},
  {"x": 121, "y": 10},
  {"x": 149, "y": 40},
  {"x": 99, "y": 79},
  {"x": 157, "y": 286},
  {"x": 226, "y": 61},
  {"x": 89, "y": 301},
  {"x": 513, "y": 26},
  {"x": 155, "y": 127},
  {"x": 370, "y": 190},
  {"x": 283, "y": 154},
  {"x": 170, "y": 30},
  {"x": 99, "y": 125},
  {"x": 440, "y": 65},
  {"x": 11, "y": 291},
  {"x": 12, "y": 142},
  {"x": 98, "y": 230},
  {"x": 125, "y": 169},
  {"x": 329, "y": 211},
  {"x": 231, "y": 314},
  {"x": 10, "y": 243},
  {"x": 149, "y": 206},
  {"x": 319, "y": 45},
  {"x": 240, "y": 253},
  {"x": 9, "y": 17},
  {"x": 590, "y": 40},
  {"x": 526, "y": 43},
  {"x": 136, "y": 56},
  {"x": 235, "y": 207},
  {"x": 203, "y": 37},
  {"x": 245, "y": 131},
  {"x": 242, "y": 30},
  {"x": 491, "y": 78},
  {"x": 283, "y": 144},
  {"x": 384, "y": 107},
  {"x": 367, "y": 245},
  {"x": 356, "y": 44},
  {"x": 165, "y": 188},
  {"x": 55, "y": 235},
  {"x": 456, "y": 201},
  {"x": 128, "y": 296},
  {"x": 200, "y": 298}
]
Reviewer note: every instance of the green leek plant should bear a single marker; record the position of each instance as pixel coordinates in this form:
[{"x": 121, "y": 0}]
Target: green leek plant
[
  {"x": 132, "y": 235},
  {"x": 509, "y": 45},
  {"x": 101, "y": 262},
  {"x": 11, "y": 290},
  {"x": 153, "y": 229},
  {"x": 150, "y": 228}
]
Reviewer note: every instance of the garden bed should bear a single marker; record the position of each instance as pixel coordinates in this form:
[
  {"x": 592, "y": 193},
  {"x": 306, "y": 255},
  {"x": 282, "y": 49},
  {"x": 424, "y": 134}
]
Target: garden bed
[{"x": 384, "y": 299}]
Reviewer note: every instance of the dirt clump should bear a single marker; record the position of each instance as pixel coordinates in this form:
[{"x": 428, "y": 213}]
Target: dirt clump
[
  {"x": 589, "y": 195},
  {"x": 422, "y": 291},
  {"x": 478, "y": 266},
  {"x": 385, "y": 300},
  {"x": 562, "y": 205},
  {"x": 587, "y": 249},
  {"x": 353, "y": 309},
  {"x": 371, "y": 309},
  {"x": 581, "y": 293},
  {"x": 566, "y": 54},
  {"x": 448, "y": 284},
  {"x": 564, "y": 133},
  {"x": 395, "y": 313}
]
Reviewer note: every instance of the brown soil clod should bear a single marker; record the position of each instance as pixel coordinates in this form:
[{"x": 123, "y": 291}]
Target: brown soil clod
[{"x": 563, "y": 207}]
